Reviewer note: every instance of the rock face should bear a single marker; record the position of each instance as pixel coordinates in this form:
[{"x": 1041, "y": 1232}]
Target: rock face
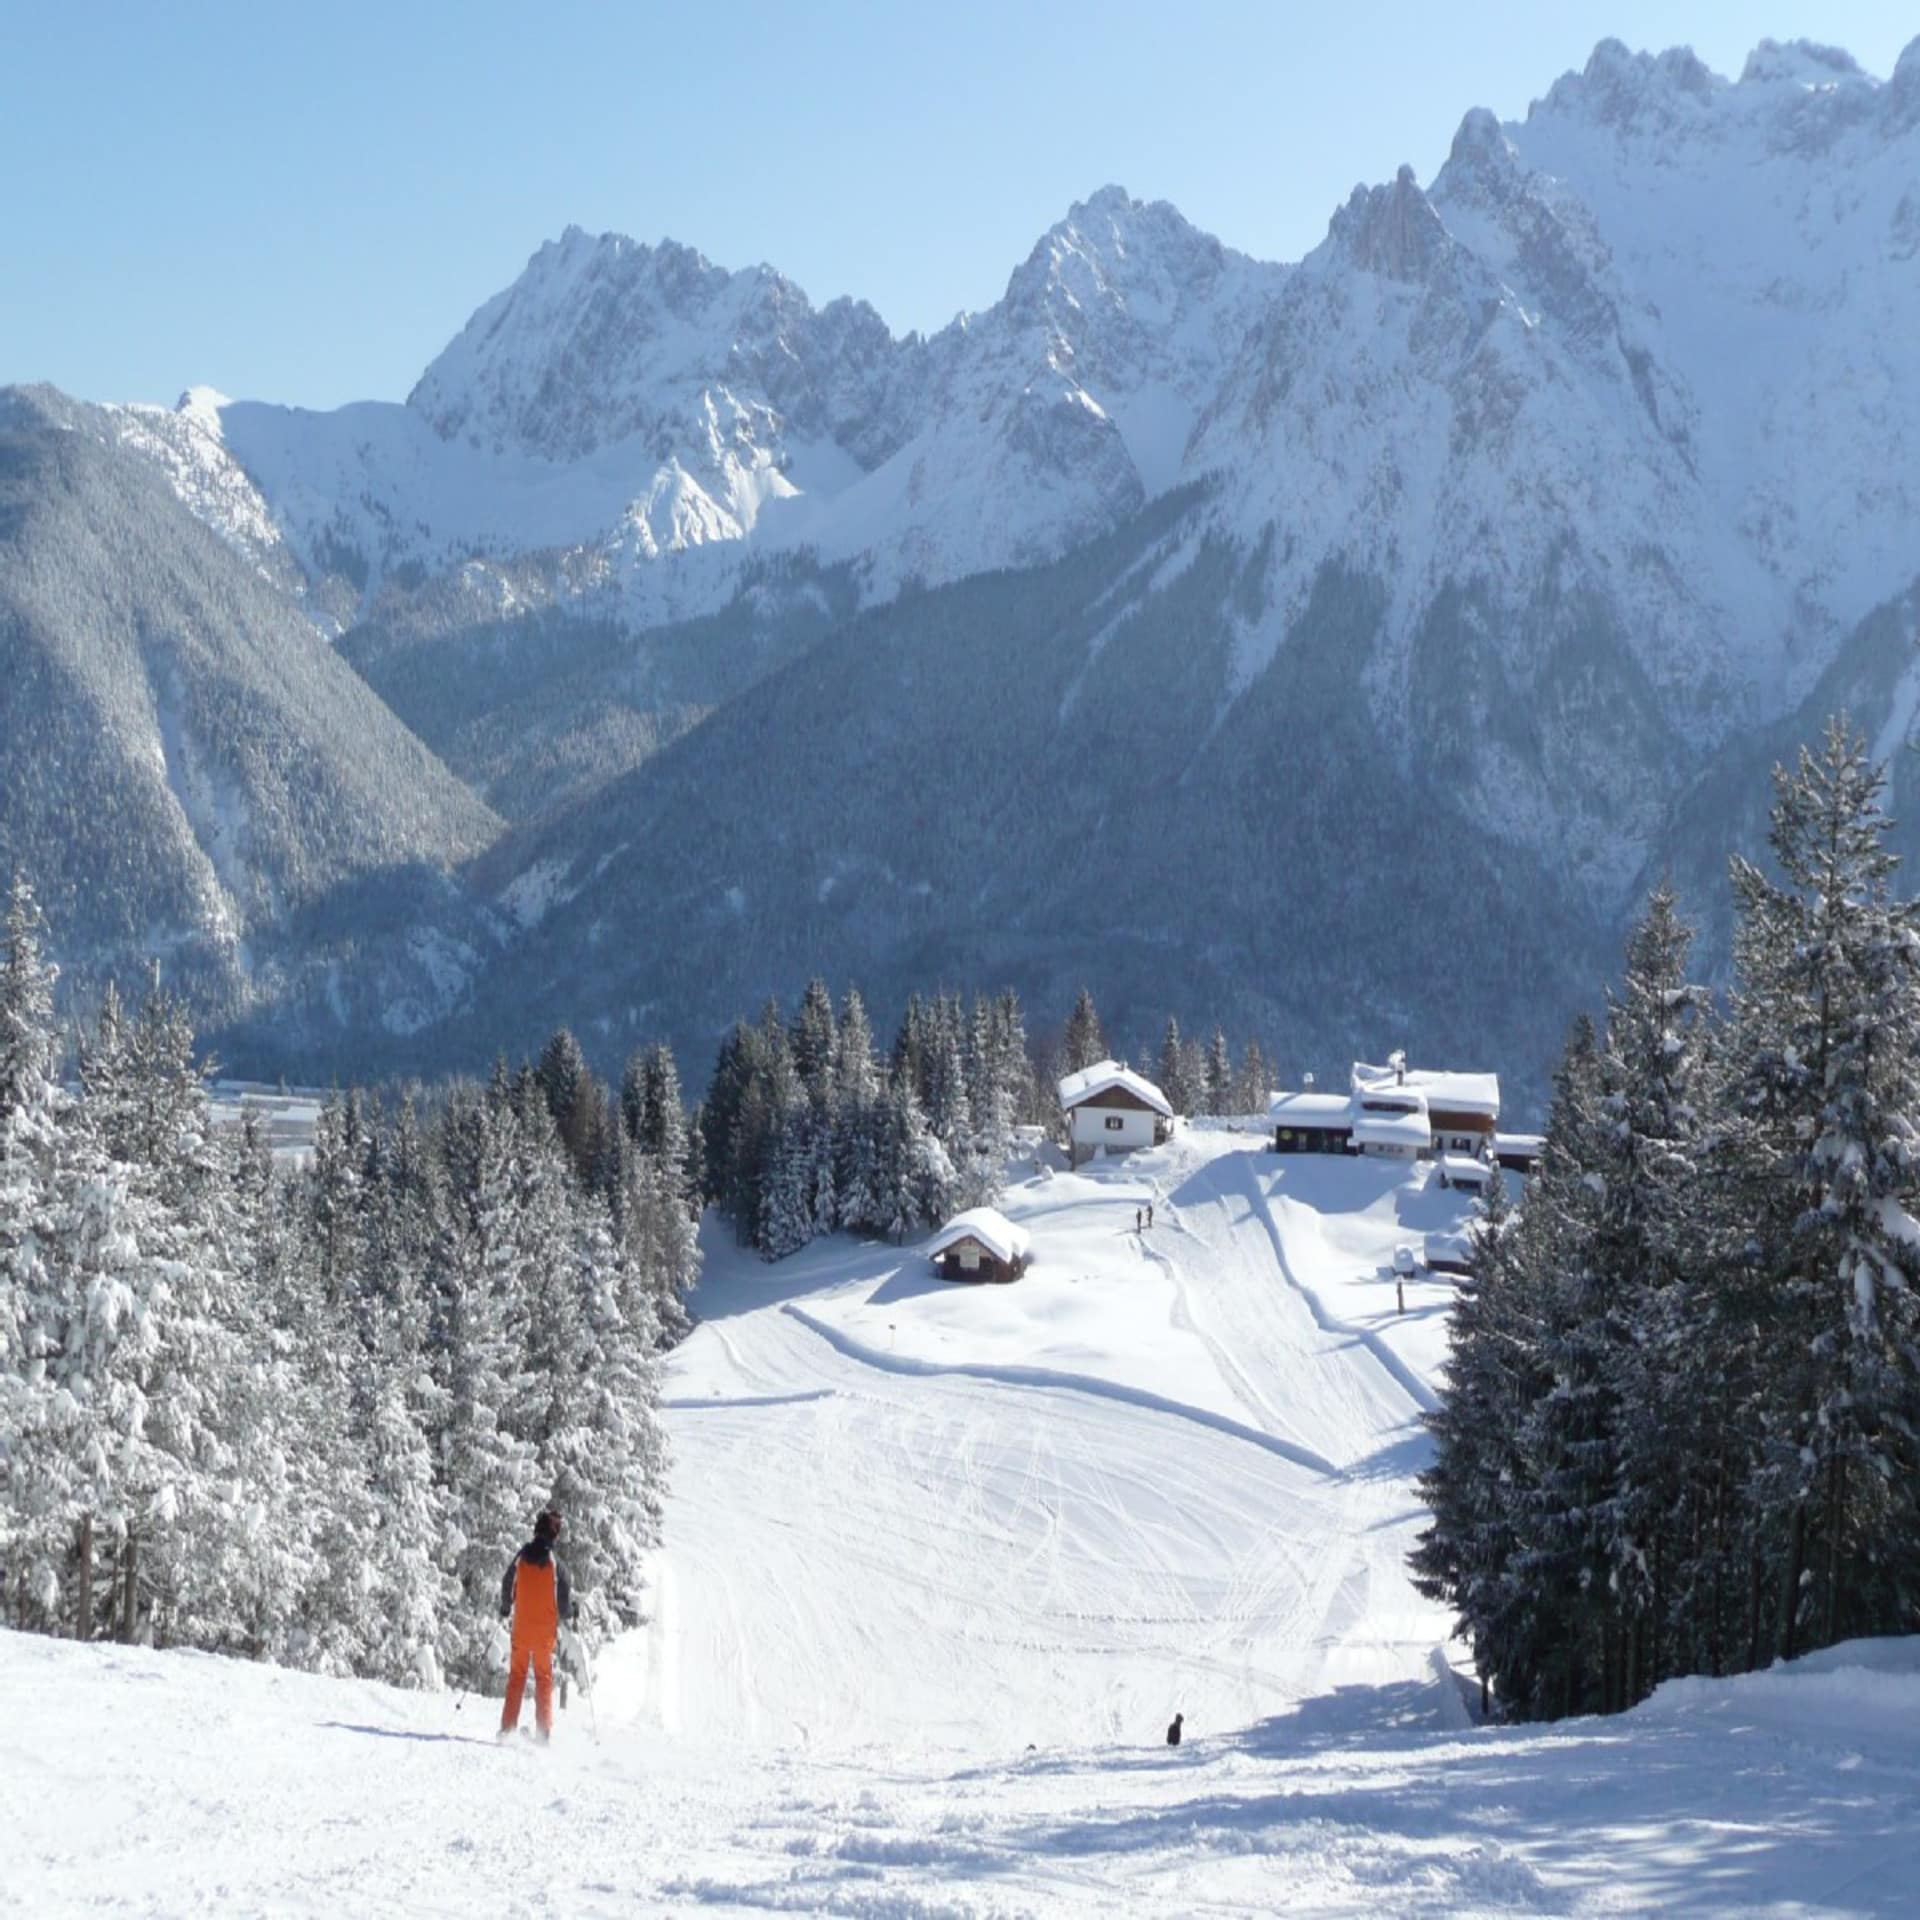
[{"x": 1548, "y": 491}]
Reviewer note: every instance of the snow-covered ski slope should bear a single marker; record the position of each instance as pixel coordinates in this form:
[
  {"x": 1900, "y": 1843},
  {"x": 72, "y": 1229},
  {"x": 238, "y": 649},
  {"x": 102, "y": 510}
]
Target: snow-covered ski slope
[
  {"x": 1167, "y": 1470},
  {"x": 942, "y": 1561}
]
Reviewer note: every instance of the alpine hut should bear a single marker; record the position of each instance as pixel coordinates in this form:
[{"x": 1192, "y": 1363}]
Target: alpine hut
[
  {"x": 980, "y": 1244},
  {"x": 1109, "y": 1108}
]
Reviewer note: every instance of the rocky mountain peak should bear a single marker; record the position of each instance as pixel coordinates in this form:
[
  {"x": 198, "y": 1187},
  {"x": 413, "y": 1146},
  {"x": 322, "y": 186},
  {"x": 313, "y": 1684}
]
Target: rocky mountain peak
[
  {"x": 1392, "y": 230},
  {"x": 1482, "y": 164},
  {"x": 1110, "y": 247},
  {"x": 1622, "y": 89},
  {"x": 1903, "y": 91},
  {"x": 1800, "y": 63}
]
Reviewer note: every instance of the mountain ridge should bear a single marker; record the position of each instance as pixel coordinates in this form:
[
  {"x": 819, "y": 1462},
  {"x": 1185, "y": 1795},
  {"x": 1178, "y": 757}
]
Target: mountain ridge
[{"x": 1546, "y": 488}]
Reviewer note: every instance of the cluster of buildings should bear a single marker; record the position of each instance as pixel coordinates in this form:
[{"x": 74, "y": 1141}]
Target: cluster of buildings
[
  {"x": 1393, "y": 1112},
  {"x": 1407, "y": 1113}
]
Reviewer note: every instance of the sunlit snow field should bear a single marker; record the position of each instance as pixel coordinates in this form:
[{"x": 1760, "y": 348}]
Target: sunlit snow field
[{"x": 941, "y": 1562}]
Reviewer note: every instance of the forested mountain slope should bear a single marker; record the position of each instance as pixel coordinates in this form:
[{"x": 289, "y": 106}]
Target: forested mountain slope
[{"x": 186, "y": 767}]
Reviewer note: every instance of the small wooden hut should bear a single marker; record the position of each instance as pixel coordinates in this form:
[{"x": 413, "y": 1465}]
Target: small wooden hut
[{"x": 980, "y": 1244}]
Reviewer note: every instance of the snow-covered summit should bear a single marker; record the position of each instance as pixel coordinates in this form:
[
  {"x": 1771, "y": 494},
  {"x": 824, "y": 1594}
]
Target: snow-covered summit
[
  {"x": 1653, "y": 351},
  {"x": 602, "y": 339}
]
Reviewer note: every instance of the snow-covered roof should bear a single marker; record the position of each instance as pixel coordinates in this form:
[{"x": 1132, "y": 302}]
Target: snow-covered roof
[
  {"x": 1104, "y": 1075},
  {"x": 1325, "y": 1110},
  {"x": 1392, "y": 1130},
  {"x": 1517, "y": 1143},
  {"x": 1452, "y": 1092},
  {"x": 1464, "y": 1170},
  {"x": 994, "y": 1231},
  {"x": 1449, "y": 1250}
]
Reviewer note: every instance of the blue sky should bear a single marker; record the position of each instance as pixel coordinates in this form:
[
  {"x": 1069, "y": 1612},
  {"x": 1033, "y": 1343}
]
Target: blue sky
[{"x": 304, "y": 205}]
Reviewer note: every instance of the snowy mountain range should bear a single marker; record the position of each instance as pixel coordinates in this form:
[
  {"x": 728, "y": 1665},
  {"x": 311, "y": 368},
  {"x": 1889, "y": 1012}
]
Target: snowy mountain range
[{"x": 1548, "y": 491}]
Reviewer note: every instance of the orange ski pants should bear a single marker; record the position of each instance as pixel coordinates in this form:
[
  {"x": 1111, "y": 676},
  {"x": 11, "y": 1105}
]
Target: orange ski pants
[{"x": 541, "y": 1660}]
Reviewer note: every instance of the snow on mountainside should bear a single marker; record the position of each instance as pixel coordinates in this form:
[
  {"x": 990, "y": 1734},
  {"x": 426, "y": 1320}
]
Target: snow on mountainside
[
  {"x": 1657, "y": 346},
  {"x": 639, "y": 403},
  {"x": 1056, "y": 414},
  {"x": 1767, "y": 232},
  {"x": 1656, "y": 340}
]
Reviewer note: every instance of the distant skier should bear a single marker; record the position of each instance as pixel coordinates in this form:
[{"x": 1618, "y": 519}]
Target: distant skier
[
  {"x": 1173, "y": 1730},
  {"x": 539, "y": 1596},
  {"x": 1149, "y": 1213},
  {"x": 1136, "y": 1219}
]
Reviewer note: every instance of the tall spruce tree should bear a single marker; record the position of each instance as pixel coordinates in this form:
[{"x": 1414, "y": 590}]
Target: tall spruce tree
[
  {"x": 1084, "y": 1044},
  {"x": 1173, "y": 1069},
  {"x": 1824, "y": 1074}
]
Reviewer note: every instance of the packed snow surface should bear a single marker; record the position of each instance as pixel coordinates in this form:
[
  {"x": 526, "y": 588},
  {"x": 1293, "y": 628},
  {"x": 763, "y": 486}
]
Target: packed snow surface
[{"x": 941, "y": 1564}]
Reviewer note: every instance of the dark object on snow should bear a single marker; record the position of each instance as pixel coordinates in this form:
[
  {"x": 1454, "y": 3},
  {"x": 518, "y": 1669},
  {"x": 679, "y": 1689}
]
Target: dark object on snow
[
  {"x": 1173, "y": 1730},
  {"x": 1149, "y": 1213},
  {"x": 1136, "y": 1219}
]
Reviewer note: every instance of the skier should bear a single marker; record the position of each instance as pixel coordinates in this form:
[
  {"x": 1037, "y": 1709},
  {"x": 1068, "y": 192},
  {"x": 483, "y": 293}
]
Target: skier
[
  {"x": 1173, "y": 1730},
  {"x": 537, "y": 1593},
  {"x": 1149, "y": 1213},
  {"x": 1136, "y": 1219}
]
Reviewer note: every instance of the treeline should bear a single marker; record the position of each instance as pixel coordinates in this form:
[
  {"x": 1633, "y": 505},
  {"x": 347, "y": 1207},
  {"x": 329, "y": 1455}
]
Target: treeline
[
  {"x": 1681, "y": 1430},
  {"x": 806, "y": 1130},
  {"x": 306, "y": 1415}
]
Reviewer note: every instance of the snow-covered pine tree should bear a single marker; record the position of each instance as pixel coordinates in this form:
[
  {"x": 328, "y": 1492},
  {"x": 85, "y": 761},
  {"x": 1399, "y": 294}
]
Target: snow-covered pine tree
[
  {"x": 488, "y": 1465},
  {"x": 949, "y": 1114},
  {"x": 287, "y": 1468},
  {"x": 909, "y": 1056},
  {"x": 1173, "y": 1074},
  {"x": 1824, "y": 1072},
  {"x": 602, "y": 1453},
  {"x": 1466, "y": 1557},
  {"x": 1219, "y": 1094},
  {"x": 398, "y": 1409},
  {"x": 33, "y": 1123},
  {"x": 786, "y": 1221},
  {"x": 1032, "y": 1106},
  {"x": 733, "y": 1074},
  {"x": 334, "y": 1201},
  {"x": 813, "y": 1043},
  {"x": 659, "y": 1127},
  {"x": 1655, "y": 1063},
  {"x": 1568, "y": 1521},
  {"x": 661, "y": 1247},
  {"x": 992, "y": 1096},
  {"x": 567, "y": 1087},
  {"x": 1252, "y": 1084},
  {"x": 856, "y": 1093},
  {"x": 909, "y": 1164},
  {"x": 1084, "y": 1043}
]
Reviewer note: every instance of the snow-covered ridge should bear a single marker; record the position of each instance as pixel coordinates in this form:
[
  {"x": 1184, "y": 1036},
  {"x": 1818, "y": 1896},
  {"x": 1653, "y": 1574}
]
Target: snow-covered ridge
[{"x": 1656, "y": 348}]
